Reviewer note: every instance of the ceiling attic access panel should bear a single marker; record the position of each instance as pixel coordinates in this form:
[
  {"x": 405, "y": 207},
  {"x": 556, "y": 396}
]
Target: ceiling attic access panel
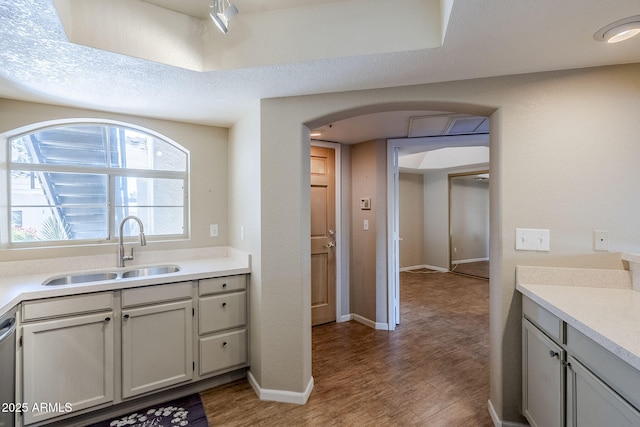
[{"x": 185, "y": 37}]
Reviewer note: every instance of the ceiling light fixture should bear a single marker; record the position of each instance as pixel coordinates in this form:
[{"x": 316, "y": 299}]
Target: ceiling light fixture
[
  {"x": 221, "y": 12},
  {"x": 619, "y": 31}
]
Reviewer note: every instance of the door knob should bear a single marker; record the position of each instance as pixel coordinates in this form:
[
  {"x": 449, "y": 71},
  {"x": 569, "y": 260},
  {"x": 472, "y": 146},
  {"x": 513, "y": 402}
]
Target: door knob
[{"x": 330, "y": 245}]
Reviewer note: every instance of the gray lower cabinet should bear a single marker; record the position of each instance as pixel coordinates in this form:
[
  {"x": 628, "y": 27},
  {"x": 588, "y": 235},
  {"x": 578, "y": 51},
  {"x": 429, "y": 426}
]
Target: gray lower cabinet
[
  {"x": 542, "y": 378},
  {"x": 86, "y": 352},
  {"x": 591, "y": 403},
  {"x": 569, "y": 380},
  {"x": 67, "y": 355},
  {"x": 157, "y": 349}
]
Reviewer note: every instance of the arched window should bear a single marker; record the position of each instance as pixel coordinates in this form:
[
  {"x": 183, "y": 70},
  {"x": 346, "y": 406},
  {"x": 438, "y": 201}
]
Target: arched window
[{"x": 77, "y": 181}]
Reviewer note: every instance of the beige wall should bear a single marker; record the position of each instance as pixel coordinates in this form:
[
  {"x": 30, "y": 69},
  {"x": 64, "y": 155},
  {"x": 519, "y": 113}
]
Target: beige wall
[
  {"x": 411, "y": 212},
  {"x": 368, "y": 247},
  {"x": 244, "y": 219},
  {"x": 436, "y": 219},
  {"x": 564, "y": 155},
  {"x": 208, "y": 181}
]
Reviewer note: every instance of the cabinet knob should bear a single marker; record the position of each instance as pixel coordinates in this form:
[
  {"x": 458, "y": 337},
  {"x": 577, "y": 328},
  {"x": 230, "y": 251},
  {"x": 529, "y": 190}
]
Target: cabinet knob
[
  {"x": 224, "y": 285},
  {"x": 224, "y": 344},
  {"x": 553, "y": 353},
  {"x": 224, "y": 304},
  {"x": 107, "y": 319},
  {"x": 126, "y": 316}
]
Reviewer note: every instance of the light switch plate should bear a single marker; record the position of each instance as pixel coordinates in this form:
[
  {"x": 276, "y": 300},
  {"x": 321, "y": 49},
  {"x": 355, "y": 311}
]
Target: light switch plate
[
  {"x": 532, "y": 239},
  {"x": 213, "y": 230}
]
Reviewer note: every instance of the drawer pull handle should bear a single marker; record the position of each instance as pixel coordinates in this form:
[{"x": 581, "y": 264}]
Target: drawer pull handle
[
  {"x": 224, "y": 344},
  {"x": 224, "y": 304},
  {"x": 553, "y": 353},
  {"x": 126, "y": 316}
]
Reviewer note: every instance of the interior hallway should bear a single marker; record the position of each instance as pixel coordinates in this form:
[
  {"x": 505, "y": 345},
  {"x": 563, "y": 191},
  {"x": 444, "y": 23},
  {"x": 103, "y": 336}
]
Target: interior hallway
[{"x": 432, "y": 371}]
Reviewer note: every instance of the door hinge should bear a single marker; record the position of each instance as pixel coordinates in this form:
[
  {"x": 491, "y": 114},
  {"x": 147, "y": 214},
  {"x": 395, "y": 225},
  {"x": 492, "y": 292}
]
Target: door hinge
[
  {"x": 193, "y": 366},
  {"x": 20, "y": 341}
]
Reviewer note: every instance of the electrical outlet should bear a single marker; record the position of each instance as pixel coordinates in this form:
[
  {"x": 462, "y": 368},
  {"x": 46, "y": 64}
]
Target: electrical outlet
[
  {"x": 600, "y": 240},
  {"x": 213, "y": 230}
]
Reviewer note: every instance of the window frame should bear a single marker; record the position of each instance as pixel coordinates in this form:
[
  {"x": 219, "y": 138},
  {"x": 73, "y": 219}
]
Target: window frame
[{"x": 111, "y": 173}]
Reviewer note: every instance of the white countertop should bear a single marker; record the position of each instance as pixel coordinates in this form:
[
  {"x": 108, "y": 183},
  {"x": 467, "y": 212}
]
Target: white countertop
[
  {"x": 15, "y": 289},
  {"x": 609, "y": 315}
]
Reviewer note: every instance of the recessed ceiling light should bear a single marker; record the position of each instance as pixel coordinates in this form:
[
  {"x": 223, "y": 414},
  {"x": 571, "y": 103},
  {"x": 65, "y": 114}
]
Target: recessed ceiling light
[{"x": 620, "y": 30}]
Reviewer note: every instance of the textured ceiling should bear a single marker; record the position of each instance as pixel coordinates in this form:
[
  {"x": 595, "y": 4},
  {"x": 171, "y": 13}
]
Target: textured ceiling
[{"x": 484, "y": 38}]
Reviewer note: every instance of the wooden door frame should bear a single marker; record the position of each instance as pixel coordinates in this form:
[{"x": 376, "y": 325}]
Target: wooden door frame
[{"x": 341, "y": 239}]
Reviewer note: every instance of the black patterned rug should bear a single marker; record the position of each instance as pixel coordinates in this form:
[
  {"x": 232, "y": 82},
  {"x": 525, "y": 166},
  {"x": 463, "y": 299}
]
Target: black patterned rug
[{"x": 187, "y": 412}]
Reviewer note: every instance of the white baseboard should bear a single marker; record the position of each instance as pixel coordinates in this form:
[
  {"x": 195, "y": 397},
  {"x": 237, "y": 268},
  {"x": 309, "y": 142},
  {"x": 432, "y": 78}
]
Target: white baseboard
[
  {"x": 344, "y": 318},
  {"x": 429, "y": 267},
  {"x": 370, "y": 323},
  {"x": 497, "y": 422},
  {"x": 283, "y": 396},
  {"x": 465, "y": 261}
]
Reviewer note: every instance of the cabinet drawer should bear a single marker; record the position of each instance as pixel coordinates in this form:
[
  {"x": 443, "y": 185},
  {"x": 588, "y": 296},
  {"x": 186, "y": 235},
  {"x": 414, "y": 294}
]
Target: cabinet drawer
[
  {"x": 223, "y": 351},
  {"x": 221, "y": 312},
  {"x": 67, "y": 306},
  {"x": 155, "y": 294},
  {"x": 619, "y": 375},
  {"x": 223, "y": 284},
  {"x": 543, "y": 319}
]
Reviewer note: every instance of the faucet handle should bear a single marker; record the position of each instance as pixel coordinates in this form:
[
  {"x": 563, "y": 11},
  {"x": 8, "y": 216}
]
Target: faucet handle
[{"x": 128, "y": 257}]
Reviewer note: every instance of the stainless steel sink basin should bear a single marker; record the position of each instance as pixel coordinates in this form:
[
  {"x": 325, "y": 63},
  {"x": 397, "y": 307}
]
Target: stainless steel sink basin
[
  {"x": 80, "y": 278},
  {"x": 95, "y": 276},
  {"x": 151, "y": 271}
]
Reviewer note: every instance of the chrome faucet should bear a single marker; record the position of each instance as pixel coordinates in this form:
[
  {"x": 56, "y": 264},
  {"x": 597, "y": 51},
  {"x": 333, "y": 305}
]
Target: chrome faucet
[{"x": 143, "y": 240}]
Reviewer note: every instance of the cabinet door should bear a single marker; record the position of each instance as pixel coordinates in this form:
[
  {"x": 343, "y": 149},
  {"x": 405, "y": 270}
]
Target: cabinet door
[
  {"x": 590, "y": 402},
  {"x": 156, "y": 347},
  {"x": 542, "y": 378},
  {"x": 67, "y": 361}
]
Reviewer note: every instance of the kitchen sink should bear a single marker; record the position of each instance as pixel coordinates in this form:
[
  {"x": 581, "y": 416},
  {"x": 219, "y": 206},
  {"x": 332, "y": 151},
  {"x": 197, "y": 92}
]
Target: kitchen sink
[
  {"x": 87, "y": 277},
  {"x": 151, "y": 271},
  {"x": 80, "y": 278}
]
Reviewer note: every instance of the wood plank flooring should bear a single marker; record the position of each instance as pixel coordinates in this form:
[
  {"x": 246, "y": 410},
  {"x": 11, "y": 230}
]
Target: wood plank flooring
[{"x": 432, "y": 371}]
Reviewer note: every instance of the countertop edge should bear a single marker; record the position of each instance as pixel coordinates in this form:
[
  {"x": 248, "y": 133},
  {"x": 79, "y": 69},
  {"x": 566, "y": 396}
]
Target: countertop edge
[
  {"x": 589, "y": 330},
  {"x": 29, "y": 288}
]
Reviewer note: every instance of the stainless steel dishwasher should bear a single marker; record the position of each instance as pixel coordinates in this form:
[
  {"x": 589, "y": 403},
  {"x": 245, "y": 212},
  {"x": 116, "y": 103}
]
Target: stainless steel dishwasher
[{"x": 7, "y": 367}]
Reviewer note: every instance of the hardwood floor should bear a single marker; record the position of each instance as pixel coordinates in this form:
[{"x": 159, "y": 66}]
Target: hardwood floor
[{"x": 432, "y": 371}]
